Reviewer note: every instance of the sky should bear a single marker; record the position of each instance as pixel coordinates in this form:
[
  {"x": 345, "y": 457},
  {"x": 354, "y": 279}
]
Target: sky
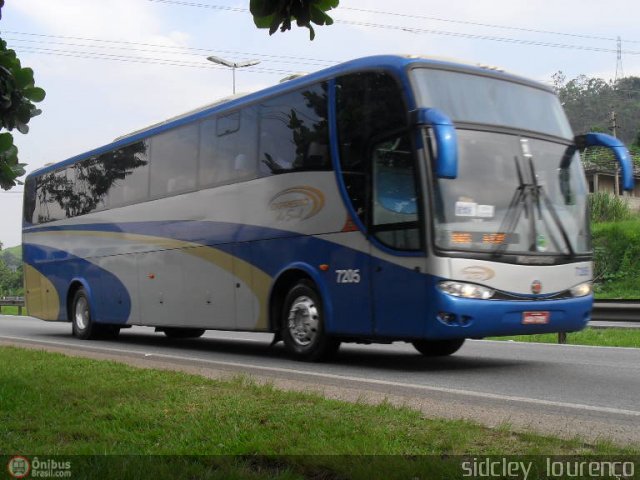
[{"x": 113, "y": 67}]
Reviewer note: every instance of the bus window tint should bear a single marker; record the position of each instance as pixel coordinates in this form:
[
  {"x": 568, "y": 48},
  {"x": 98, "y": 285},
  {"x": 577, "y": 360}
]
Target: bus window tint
[
  {"x": 174, "y": 161},
  {"x": 395, "y": 198},
  {"x": 294, "y": 132},
  {"x": 230, "y": 154},
  {"x": 126, "y": 174},
  {"x": 52, "y": 192},
  {"x": 369, "y": 105}
]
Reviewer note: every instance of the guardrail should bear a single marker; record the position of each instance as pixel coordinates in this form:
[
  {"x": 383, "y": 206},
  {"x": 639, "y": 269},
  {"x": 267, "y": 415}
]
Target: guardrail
[
  {"x": 616, "y": 311},
  {"x": 12, "y": 302}
]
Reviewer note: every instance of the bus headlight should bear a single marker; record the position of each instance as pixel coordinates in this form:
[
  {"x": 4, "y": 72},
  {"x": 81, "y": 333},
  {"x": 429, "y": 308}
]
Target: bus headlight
[
  {"x": 466, "y": 290},
  {"x": 582, "y": 290}
]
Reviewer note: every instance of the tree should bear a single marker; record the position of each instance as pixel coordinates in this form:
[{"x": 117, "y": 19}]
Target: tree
[
  {"x": 274, "y": 14},
  {"x": 17, "y": 96},
  {"x": 589, "y": 103}
]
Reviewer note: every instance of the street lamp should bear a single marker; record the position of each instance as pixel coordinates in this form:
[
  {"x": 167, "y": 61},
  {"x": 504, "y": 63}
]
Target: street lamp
[{"x": 233, "y": 66}]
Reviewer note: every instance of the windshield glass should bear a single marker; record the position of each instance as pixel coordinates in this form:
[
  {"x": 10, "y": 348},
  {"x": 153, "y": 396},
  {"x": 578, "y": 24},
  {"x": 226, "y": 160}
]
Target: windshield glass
[
  {"x": 478, "y": 99},
  {"x": 512, "y": 196}
]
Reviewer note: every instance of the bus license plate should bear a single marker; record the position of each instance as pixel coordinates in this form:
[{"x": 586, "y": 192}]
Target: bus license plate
[{"x": 535, "y": 318}]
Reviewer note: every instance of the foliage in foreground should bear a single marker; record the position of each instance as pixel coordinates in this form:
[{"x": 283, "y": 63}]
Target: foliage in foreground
[
  {"x": 279, "y": 14},
  {"x": 17, "y": 96}
]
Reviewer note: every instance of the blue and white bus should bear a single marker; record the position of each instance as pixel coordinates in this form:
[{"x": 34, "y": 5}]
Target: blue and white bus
[{"x": 385, "y": 199}]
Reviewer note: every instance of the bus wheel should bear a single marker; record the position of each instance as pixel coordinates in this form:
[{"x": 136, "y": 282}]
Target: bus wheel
[
  {"x": 303, "y": 324},
  {"x": 438, "y": 348},
  {"x": 82, "y": 325},
  {"x": 173, "y": 332}
]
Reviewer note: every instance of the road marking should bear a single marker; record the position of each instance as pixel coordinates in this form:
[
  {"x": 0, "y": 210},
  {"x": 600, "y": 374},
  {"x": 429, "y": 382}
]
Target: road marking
[{"x": 348, "y": 378}]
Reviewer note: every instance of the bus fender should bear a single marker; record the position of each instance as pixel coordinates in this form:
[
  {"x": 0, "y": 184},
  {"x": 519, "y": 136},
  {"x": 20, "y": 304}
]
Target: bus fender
[
  {"x": 87, "y": 289},
  {"x": 320, "y": 282}
]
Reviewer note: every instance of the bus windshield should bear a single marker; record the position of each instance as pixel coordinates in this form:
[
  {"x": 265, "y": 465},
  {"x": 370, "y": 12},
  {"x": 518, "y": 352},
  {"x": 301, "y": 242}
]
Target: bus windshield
[
  {"x": 468, "y": 98},
  {"x": 512, "y": 195}
]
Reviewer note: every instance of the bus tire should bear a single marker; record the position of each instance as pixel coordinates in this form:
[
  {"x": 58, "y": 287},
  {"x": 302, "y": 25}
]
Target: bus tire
[
  {"x": 175, "y": 332},
  {"x": 438, "y": 348},
  {"x": 83, "y": 327},
  {"x": 303, "y": 325}
]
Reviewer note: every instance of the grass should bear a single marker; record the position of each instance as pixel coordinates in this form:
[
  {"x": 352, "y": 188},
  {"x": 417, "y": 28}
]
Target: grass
[
  {"x": 51, "y": 404},
  {"x": 603, "y": 337},
  {"x": 12, "y": 310}
]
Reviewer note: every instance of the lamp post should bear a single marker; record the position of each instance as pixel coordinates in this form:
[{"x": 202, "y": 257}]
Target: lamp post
[{"x": 232, "y": 66}]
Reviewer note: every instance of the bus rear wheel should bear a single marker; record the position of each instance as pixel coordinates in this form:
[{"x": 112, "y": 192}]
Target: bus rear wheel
[
  {"x": 82, "y": 325},
  {"x": 438, "y": 348},
  {"x": 175, "y": 332},
  {"x": 303, "y": 326}
]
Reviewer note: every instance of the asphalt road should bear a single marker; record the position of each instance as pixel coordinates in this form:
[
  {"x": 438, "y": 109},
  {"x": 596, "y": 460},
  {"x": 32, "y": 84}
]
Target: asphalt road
[{"x": 592, "y": 392}]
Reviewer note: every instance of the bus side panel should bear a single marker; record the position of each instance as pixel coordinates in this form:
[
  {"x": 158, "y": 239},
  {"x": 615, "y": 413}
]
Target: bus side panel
[
  {"x": 350, "y": 302},
  {"x": 57, "y": 270}
]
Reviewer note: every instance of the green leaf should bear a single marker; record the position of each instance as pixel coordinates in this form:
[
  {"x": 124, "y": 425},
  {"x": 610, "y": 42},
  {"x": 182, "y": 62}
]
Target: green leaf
[
  {"x": 261, "y": 8},
  {"x": 6, "y": 142},
  {"x": 22, "y": 127},
  {"x": 24, "y": 78},
  {"x": 263, "y": 22},
  {"x": 35, "y": 94}
]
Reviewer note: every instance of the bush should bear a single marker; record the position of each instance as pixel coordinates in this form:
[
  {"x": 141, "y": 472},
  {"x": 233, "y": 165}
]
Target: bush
[
  {"x": 605, "y": 207},
  {"x": 616, "y": 249}
]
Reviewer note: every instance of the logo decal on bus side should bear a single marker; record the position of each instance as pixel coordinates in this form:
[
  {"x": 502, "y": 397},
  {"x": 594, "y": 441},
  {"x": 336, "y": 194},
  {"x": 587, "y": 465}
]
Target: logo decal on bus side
[
  {"x": 297, "y": 203},
  {"x": 478, "y": 273}
]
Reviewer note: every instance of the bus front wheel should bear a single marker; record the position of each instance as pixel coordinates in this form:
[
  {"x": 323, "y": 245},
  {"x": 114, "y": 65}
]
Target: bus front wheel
[
  {"x": 303, "y": 326},
  {"x": 438, "y": 348}
]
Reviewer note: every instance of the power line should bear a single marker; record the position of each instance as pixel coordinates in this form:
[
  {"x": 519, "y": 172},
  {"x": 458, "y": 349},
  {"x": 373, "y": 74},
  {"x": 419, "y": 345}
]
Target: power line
[
  {"x": 136, "y": 59},
  {"x": 486, "y": 25},
  {"x": 516, "y": 41},
  {"x": 205, "y": 50},
  {"x": 161, "y": 49},
  {"x": 405, "y": 15}
]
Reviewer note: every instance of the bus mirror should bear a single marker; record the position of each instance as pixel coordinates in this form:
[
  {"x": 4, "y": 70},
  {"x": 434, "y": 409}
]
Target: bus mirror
[
  {"x": 619, "y": 150},
  {"x": 446, "y": 141}
]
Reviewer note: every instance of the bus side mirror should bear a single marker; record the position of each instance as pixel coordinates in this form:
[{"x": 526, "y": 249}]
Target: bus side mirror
[
  {"x": 446, "y": 140},
  {"x": 619, "y": 150}
]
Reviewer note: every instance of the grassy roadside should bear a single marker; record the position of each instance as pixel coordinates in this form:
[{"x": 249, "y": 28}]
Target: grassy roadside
[
  {"x": 51, "y": 404},
  {"x": 602, "y": 337},
  {"x": 12, "y": 311}
]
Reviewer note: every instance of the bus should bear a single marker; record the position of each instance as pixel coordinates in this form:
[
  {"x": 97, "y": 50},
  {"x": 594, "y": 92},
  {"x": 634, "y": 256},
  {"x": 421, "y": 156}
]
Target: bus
[{"x": 388, "y": 198}]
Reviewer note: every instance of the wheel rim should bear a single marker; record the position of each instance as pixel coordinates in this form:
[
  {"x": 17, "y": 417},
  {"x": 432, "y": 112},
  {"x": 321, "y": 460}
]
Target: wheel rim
[
  {"x": 304, "y": 319},
  {"x": 82, "y": 313}
]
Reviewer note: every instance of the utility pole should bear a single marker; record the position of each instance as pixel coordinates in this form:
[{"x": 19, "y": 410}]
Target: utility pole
[{"x": 614, "y": 131}]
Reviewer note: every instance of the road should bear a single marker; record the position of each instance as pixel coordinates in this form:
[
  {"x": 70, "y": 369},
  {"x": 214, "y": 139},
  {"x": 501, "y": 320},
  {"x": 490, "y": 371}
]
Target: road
[{"x": 592, "y": 392}]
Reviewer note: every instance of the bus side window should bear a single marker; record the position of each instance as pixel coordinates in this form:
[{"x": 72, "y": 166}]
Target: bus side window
[
  {"x": 174, "y": 160},
  {"x": 234, "y": 155},
  {"x": 294, "y": 133},
  {"x": 123, "y": 175},
  {"x": 395, "y": 197},
  {"x": 369, "y": 104}
]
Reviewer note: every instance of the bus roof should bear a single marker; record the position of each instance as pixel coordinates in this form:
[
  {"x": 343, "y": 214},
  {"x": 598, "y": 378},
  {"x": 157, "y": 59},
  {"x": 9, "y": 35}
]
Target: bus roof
[{"x": 393, "y": 63}]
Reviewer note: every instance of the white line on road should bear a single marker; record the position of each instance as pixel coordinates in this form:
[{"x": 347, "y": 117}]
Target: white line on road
[{"x": 348, "y": 378}]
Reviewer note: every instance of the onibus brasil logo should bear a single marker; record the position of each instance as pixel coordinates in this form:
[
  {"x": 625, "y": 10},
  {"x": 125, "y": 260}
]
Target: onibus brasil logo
[{"x": 21, "y": 467}]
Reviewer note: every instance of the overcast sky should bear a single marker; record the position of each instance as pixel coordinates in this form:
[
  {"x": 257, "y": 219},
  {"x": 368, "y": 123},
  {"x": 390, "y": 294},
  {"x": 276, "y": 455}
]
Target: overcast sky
[{"x": 113, "y": 67}]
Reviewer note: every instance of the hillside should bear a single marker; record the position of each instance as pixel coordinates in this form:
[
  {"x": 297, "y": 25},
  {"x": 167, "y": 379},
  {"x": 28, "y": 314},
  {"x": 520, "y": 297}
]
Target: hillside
[{"x": 14, "y": 251}]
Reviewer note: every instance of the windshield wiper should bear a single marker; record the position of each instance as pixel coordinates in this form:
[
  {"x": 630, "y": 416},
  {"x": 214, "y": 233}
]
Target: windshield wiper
[
  {"x": 522, "y": 199},
  {"x": 514, "y": 210},
  {"x": 552, "y": 210}
]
